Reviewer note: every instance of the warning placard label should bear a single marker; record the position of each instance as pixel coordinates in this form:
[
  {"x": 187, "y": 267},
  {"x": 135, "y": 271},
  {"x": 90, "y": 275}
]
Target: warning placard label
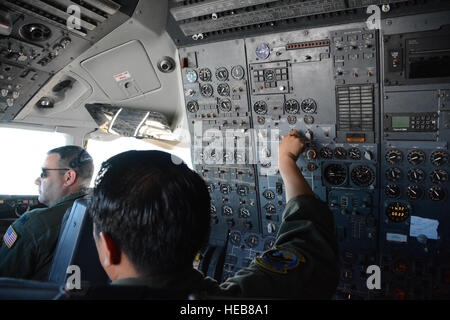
[{"x": 122, "y": 76}]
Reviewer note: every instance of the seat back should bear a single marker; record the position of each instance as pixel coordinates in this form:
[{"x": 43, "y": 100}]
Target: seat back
[
  {"x": 21, "y": 289},
  {"x": 76, "y": 246}
]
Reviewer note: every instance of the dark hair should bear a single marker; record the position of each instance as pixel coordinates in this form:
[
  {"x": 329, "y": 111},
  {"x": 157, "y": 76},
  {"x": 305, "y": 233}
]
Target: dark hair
[
  {"x": 154, "y": 208},
  {"x": 78, "y": 159}
]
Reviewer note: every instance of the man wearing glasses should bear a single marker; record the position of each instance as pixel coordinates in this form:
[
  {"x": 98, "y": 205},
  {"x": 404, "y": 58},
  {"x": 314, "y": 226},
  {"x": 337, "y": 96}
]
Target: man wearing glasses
[{"x": 28, "y": 245}]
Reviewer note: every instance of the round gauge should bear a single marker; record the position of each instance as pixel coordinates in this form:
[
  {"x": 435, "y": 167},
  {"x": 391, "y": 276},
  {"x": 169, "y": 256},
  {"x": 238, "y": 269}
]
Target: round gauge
[
  {"x": 335, "y": 174},
  {"x": 222, "y": 74},
  {"x": 308, "y": 119},
  {"x": 227, "y": 211},
  {"x": 269, "y": 194},
  {"x": 309, "y": 105},
  {"x": 394, "y": 156},
  {"x": 237, "y": 72},
  {"x": 191, "y": 76},
  {"x": 192, "y": 106},
  {"x": 225, "y": 105},
  {"x": 206, "y": 90},
  {"x": 340, "y": 153},
  {"x": 416, "y": 175},
  {"x": 326, "y": 153},
  {"x": 270, "y": 208},
  {"x": 225, "y": 188},
  {"x": 244, "y": 213},
  {"x": 292, "y": 120},
  {"x": 205, "y": 74},
  {"x": 242, "y": 190},
  {"x": 252, "y": 241},
  {"x": 223, "y": 89},
  {"x": 397, "y": 212},
  {"x": 291, "y": 106},
  {"x": 393, "y": 174},
  {"x": 436, "y": 193},
  {"x": 439, "y": 176},
  {"x": 416, "y": 157},
  {"x": 269, "y": 75},
  {"x": 362, "y": 176},
  {"x": 260, "y": 107},
  {"x": 354, "y": 154},
  {"x": 262, "y": 51},
  {"x": 414, "y": 192},
  {"x": 235, "y": 238},
  {"x": 439, "y": 158},
  {"x": 392, "y": 191}
]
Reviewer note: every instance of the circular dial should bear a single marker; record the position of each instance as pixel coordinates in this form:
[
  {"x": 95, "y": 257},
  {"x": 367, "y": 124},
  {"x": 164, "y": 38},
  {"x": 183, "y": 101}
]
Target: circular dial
[
  {"x": 309, "y": 105},
  {"x": 191, "y": 76},
  {"x": 222, "y": 74},
  {"x": 439, "y": 158},
  {"x": 439, "y": 176},
  {"x": 292, "y": 119},
  {"x": 206, "y": 90},
  {"x": 242, "y": 190},
  {"x": 225, "y": 105},
  {"x": 235, "y": 238},
  {"x": 260, "y": 107},
  {"x": 394, "y": 156},
  {"x": 354, "y": 154},
  {"x": 308, "y": 119},
  {"x": 269, "y": 75},
  {"x": 223, "y": 89},
  {"x": 397, "y": 212},
  {"x": 326, "y": 153},
  {"x": 416, "y": 157},
  {"x": 340, "y": 153},
  {"x": 244, "y": 212},
  {"x": 393, "y": 174},
  {"x": 291, "y": 106},
  {"x": 227, "y": 211},
  {"x": 225, "y": 188},
  {"x": 192, "y": 106},
  {"x": 335, "y": 174},
  {"x": 262, "y": 51},
  {"x": 414, "y": 192},
  {"x": 416, "y": 175},
  {"x": 237, "y": 72},
  {"x": 269, "y": 194},
  {"x": 205, "y": 74},
  {"x": 436, "y": 193},
  {"x": 270, "y": 208},
  {"x": 392, "y": 191},
  {"x": 362, "y": 176},
  {"x": 252, "y": 241}
]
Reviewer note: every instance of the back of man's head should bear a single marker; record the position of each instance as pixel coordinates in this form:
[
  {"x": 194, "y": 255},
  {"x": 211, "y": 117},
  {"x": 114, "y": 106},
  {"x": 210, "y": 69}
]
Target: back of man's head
[
  {"x": 157, "y": 211},
  {"x": 78, "y": 159}
]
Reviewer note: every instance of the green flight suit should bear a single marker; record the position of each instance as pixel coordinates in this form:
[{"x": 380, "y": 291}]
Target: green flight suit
[
  {"x": 37, "y": 231},
  {"x": 303, "y": 263}
]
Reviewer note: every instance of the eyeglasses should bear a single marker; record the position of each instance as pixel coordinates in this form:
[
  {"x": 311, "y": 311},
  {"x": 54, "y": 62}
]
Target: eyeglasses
[{"x": 44, "y": 173}]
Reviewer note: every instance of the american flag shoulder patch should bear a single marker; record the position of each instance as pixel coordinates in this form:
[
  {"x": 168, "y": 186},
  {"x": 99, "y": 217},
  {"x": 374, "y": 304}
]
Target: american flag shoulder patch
[{"x": 10, "y": 237}]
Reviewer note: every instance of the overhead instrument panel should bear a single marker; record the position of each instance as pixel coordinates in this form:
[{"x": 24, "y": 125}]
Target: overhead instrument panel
[{"x": 375, "y": 121}]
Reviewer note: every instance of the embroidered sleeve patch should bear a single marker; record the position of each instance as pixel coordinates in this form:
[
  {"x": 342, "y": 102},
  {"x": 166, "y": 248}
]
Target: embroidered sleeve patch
[
  {"x": 10, "y": 237},
  {"x": 280, "y": 260}
]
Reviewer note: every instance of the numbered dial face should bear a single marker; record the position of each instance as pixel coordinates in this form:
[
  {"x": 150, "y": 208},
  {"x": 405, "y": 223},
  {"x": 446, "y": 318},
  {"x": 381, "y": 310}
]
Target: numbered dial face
[
  {"x": 326, "y": 153},
  {"x": 416, "y": 175},
  {"x": 335, "y": 174},
  {"x": 291, "y": 106},
  {"x": 269, "y": 194},
  {"x": 363, "y": 176},
  {"x": 237, "y": 72},
  {"x": 222, "y": 74},
  {"x": 392, "y": 191},
  {"x": 225, "y": 105},
  {"x": 192, "y": 106},
  {"x": 393, "y": 174},
  {"x": 439, "y": 158},
  {"x": 414, "y": 192},
  {"x": 416, "y": 157},
  {"x": 205, "y": 74},
  {"x": 191, "y": 76},
  {"x": 397, "y": 212},
  {"x": 394, "y": 156},
  {"x": 436, "y": 193},
  {"x": 340, "y": 153},
  {"x": 439, "y": 176},
  {"x": 244, "y": 213},
  {"x": 260, "y": 107},
  {"x": 223, "y": 89},
  {"x": 354, "y": 154},
  {"x": 262, "y": 51},
  {"x": 206, "y": 90},
  {"x": 309, "y": 106}
]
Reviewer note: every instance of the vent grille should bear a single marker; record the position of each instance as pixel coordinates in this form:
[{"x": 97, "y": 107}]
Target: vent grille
[
  {"x": 92, "y": 12},
  {"x": 355, "y": 104}
]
